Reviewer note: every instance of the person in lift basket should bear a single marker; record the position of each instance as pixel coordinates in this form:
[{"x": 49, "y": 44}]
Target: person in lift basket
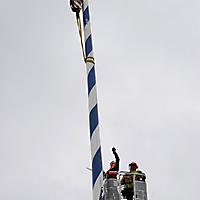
[
  {"x": 128, "y": 180},
  {"x": 114, "y": 166}
]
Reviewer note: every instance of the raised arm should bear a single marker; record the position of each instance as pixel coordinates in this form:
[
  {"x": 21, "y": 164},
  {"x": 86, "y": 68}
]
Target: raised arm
[{"x": 116, "y": 158}]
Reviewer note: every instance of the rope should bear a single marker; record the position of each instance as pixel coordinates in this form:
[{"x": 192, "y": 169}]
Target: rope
[{"x": 88, "y": 59}]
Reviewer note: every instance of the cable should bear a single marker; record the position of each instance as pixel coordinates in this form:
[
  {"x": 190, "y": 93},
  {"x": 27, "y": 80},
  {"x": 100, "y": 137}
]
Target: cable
[{"x": 88, "y": 59}]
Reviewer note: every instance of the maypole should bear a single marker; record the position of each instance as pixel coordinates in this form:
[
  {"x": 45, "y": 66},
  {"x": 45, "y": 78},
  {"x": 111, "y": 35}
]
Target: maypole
[
  {"x": 116, "y": 184},
  {"x": 97, "y": 169}
]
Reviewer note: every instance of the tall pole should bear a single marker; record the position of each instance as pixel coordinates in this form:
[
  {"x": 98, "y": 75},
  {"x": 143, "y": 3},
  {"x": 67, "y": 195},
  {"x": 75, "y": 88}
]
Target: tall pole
[{"x": 97, "y": 169}]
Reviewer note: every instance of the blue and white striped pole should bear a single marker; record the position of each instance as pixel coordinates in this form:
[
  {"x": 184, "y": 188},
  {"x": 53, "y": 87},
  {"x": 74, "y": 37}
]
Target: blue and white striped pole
[{"x": 97, "y": 169}]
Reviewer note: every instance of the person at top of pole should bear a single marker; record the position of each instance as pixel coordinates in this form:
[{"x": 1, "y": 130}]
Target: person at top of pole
[
  {"x": 114, "y": 166},
  {"x": 76, "y": 5}
]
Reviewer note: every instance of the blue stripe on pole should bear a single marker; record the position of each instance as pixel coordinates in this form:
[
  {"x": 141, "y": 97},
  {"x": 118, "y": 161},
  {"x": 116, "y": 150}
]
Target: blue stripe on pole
[
  {"x": 91, "y": 79},
  {"x": 96, "y": 166},
  {"x": 88, "y": 45},
  {"x": 93, "y": 119},
  {"x": 86, "y": 16}
]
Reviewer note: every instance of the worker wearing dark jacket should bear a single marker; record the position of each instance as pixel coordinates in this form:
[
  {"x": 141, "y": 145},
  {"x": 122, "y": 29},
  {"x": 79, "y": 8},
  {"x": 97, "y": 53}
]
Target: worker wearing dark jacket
[
  {"x": 129, "y": 179},
  {"x": 114, "y": 166}
]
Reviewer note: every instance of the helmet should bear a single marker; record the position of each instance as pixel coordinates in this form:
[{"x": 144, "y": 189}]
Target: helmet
[
  {"x": 76, "y": 5},
  {"x": 133, "y": 164}
]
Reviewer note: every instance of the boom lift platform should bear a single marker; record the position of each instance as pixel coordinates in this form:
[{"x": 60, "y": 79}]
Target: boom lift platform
[{"x": 113, "y": 189}]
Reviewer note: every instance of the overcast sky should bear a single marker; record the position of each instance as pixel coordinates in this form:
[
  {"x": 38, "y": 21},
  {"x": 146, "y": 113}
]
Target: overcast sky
[{"x": 148, "y": 76}]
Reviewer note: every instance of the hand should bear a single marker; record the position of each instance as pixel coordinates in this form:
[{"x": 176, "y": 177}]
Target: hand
[{"x": 113, "y": 149}]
